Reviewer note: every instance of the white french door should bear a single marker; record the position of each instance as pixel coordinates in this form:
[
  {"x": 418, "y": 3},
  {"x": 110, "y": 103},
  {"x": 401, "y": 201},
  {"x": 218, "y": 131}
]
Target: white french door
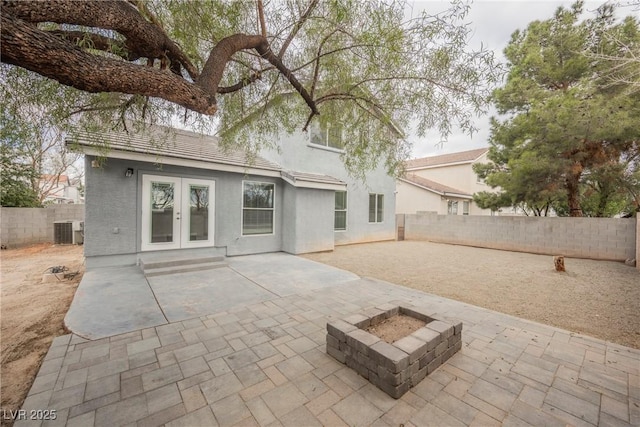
[{"x": 177, "y": 212}]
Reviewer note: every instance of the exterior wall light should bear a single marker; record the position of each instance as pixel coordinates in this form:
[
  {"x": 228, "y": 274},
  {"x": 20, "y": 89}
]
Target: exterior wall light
[{"x": 129, "y": 173}]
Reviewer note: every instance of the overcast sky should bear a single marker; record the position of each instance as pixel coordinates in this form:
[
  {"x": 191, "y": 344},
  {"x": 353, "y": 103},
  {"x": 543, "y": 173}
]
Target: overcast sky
[{"x": 493, "y": 23}]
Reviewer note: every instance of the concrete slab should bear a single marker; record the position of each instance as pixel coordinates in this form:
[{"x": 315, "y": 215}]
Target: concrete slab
[
  {"x": 115, "y": 300},
  {"x": 111, "y": 301},
  {"x": 284, "y": 274},
  {"x": 187, "y": 295}
]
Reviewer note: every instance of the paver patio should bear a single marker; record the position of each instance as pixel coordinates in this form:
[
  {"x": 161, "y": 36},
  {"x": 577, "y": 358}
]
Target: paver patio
[{"x": 265, "y": 364}]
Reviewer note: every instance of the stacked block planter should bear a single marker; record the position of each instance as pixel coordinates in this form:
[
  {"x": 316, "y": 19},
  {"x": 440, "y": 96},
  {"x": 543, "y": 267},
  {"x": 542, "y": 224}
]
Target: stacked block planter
[{"x": 394, "y": 368}]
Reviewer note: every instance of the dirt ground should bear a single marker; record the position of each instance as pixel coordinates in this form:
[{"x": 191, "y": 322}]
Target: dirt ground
[
  {"x": 32, "y": 313},
  {"x": 596, "y": 298},
  {"x": 395, "y": 328}
]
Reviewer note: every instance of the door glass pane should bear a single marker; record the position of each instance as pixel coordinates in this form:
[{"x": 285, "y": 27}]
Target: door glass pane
[
  {"x": 198, "y": 212},
  {"x": 162, "y": 206}
]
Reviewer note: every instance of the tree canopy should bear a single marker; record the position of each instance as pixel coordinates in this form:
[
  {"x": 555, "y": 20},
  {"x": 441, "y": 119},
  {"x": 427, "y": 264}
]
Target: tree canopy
[
  {"x": 262, "y": 68},
  {"x": 570, "y": 135}
]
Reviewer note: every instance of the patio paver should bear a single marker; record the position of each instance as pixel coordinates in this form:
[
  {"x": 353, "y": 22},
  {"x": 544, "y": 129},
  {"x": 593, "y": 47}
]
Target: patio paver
[{"x": 265, "y": 362}]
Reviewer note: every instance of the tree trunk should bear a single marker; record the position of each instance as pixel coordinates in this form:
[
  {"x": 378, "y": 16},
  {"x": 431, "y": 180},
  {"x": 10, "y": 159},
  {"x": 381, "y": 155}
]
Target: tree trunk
[{"x": 573, "y": 195}]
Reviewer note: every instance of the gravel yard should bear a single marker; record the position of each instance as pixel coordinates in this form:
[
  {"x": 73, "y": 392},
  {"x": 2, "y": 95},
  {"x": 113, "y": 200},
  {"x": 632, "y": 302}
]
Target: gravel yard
[{"x": 597, "y": 298}]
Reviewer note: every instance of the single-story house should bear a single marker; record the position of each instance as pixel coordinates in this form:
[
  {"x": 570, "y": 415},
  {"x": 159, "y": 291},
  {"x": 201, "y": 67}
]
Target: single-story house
[{"x": 174, "y": 190}]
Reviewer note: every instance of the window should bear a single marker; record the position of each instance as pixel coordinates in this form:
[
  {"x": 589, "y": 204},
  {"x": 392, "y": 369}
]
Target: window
[
  {"x": 452, "y": 207},
  {"x": 376, "y": 207},
  {"x": 257, "y": 208},
  {"x": 326, "y": 134},
  {"x": 340, "y": 219},
  {"x": 465, "y": 208}
]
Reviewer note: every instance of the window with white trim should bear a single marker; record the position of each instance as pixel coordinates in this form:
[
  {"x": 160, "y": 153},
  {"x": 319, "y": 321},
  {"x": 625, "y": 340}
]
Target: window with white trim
[
  {"x": 257, "y": 207},
  {"x": 465, "y": 207},
  {"x": 452, "y": 207},
  {"x": 376, "y": 207},
  {"x": 327, "y": 135},
  {"x": 340, "y": 215}
]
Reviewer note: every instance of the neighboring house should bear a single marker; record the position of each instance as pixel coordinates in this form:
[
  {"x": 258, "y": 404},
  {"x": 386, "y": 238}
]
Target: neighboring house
[
  {"x": 59, "y": 189},
  {"x": 174, "y": 191},
  {"x": 444, "y": 184}
]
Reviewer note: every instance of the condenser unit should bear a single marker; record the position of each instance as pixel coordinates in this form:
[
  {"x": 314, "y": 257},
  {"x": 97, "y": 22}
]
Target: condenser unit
[{"x": 68, "y": 232}]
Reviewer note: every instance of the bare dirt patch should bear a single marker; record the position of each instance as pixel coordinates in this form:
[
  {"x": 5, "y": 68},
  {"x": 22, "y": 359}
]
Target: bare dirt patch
[
  {"x": 395, "y": 327},
  {"x": 596, "y": 298},
  {"x": 32, "y": 313}
]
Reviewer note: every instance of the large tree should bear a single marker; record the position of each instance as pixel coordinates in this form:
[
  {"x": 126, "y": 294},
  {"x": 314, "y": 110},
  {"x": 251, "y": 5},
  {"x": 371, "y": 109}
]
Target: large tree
[
  {"x": 568, "y": 130},
  {"x": 369, "y": 66}
]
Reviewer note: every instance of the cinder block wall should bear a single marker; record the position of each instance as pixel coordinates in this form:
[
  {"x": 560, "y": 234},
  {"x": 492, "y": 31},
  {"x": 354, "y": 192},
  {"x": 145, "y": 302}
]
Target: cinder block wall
[
  {"x": 26, "y": 226},
  {"x": 595, "y": 238}
]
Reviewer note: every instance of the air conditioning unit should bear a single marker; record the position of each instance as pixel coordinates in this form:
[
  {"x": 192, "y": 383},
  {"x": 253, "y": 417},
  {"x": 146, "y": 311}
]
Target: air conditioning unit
[{"x": 68, "y": 232}]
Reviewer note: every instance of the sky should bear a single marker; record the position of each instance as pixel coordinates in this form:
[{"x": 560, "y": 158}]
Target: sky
[{"x": 493, "y": 23}]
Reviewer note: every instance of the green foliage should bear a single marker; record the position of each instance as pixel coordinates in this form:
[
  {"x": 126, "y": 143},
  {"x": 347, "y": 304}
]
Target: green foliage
[
  {"x": 568, "y": 137},
  {"x": 366, "y": 64},
  {"x": 32, "y": 129},
  {"x": 15, "y": 179}
]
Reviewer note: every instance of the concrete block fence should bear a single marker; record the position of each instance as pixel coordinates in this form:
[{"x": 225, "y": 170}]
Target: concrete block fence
[
  {"x": 26, "y": 226},
  {"x": 615, "y": 239}
]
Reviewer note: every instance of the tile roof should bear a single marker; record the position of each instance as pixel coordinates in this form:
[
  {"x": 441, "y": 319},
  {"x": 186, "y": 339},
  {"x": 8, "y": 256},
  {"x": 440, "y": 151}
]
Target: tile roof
[
  {"x": 445, "y": 159},
  {"x": 181, "y": 144},
  {"x": 432, "y": 185},
  {"x": 312, "y": 177},
  {"x": 171, "y": 143}
]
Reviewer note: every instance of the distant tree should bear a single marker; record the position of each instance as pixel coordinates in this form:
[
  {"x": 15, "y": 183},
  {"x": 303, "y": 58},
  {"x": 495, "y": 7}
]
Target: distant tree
[
  {"x": 261, "y": 67},
  {"x": 567, "y": 129},
  {"x": 15, "y": 179},
  {"x": 33, "y": 134}
]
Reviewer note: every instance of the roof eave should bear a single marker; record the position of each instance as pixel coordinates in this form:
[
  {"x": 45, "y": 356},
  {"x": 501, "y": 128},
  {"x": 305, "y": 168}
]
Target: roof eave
[{"x": 179, "y": 161}]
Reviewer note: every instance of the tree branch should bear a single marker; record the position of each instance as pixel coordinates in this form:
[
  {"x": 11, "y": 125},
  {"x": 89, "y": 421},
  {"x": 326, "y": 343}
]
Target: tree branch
[
  {"x": 241, "y": 84},
  {"x": 222, "y": 52},
  {"x": 26, "y": 46},
  {"x": 296, "y": 28},
  {"x": 263, "y": 25},
  {"x": 144, "y": 38},
  {"x": 98, "y": 42}
]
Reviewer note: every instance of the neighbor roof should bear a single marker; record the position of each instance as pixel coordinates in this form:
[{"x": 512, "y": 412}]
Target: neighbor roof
[
  {"x": 436, "y": 187},
  {"x": 184, "y": 148},
  {"x": 446, "y": 159}
]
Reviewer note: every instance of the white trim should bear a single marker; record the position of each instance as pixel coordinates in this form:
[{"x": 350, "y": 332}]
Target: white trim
[
  {"x": 346, "y": 212},
  {"x": 326, "y": 148},
  {"x": 441, "y": 165},
  {"x": 376, "y": 210},
  {"x": 242, "y": 208},
  {"x": 181, "y": 203},
  {"x": 185, "y": 232},
  {"x": 440, "y": 193},
  {"x": 302, "y": 183},
  {"x": 152, "y": 158},
  {"x": 146, "y": 244}
]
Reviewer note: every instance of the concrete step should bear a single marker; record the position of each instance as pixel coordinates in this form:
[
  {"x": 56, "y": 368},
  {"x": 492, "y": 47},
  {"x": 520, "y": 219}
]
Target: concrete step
[
  {"x": 183, "y": 268},
  {"x": 178, "y": 262}
]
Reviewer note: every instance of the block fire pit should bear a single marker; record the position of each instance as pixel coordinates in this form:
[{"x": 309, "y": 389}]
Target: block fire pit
[{"x": 394, "y": 367}]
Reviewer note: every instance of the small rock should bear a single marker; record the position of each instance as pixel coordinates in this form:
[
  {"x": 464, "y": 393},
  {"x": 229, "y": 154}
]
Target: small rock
[{"x": 558, "y": 262}]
